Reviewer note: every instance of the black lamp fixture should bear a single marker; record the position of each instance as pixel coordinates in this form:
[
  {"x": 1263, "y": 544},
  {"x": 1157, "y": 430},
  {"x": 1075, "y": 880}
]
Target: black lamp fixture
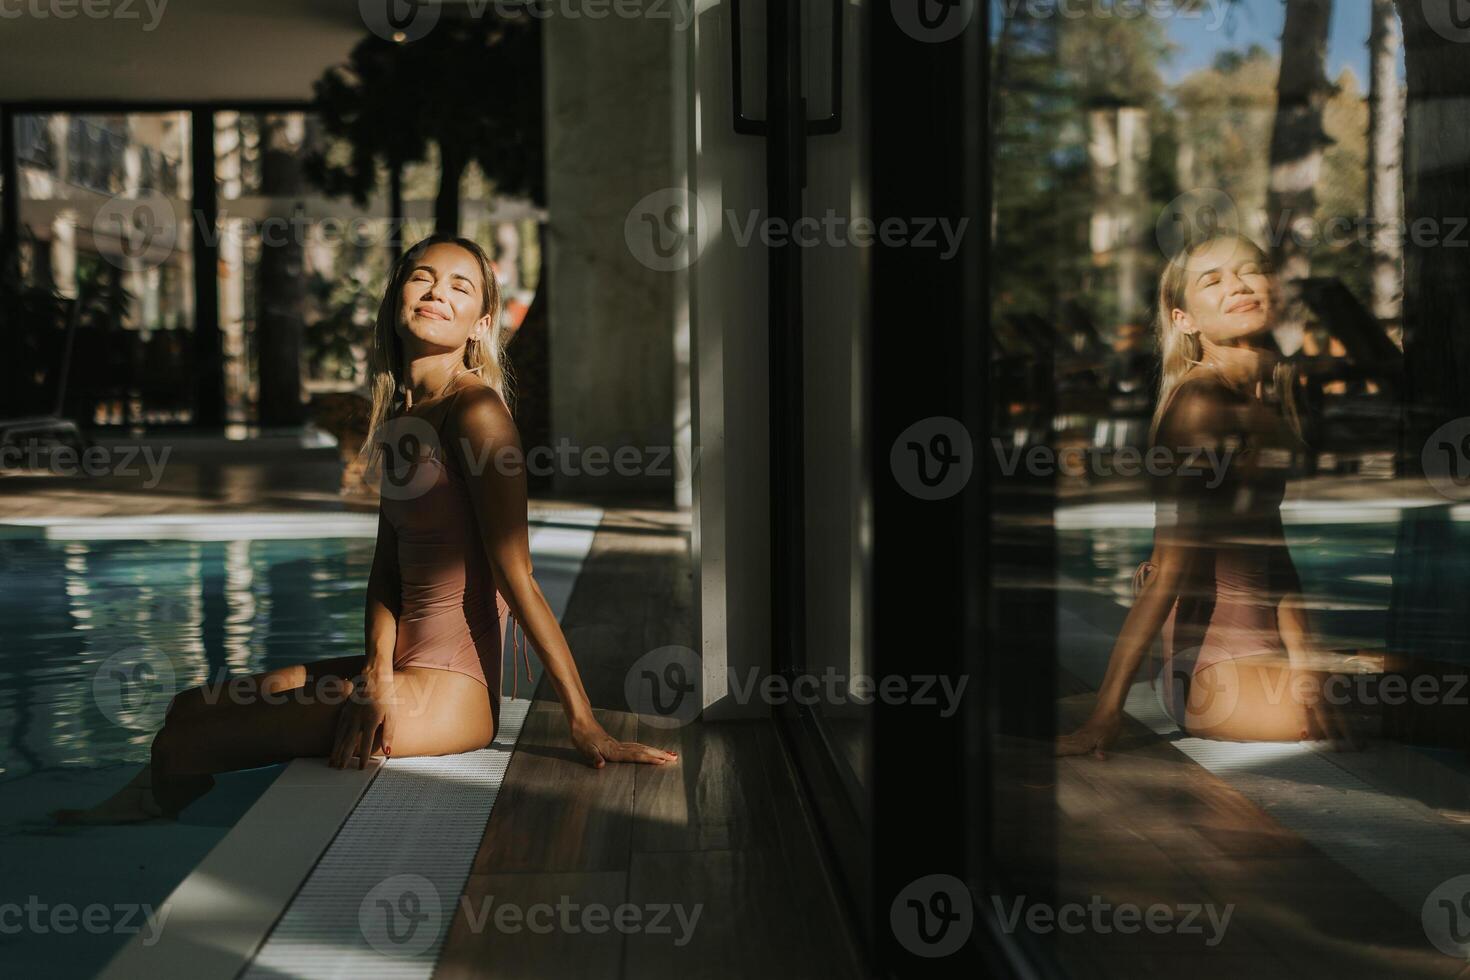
[{"x": 749, "y": 126}]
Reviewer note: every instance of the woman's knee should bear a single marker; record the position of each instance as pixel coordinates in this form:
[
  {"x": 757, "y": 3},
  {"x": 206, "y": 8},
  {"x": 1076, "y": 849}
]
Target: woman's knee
[
  {"x": 166, "y": 754},
  {"x": 271, "y": 687},
  {"x": 191, "y": 701}
]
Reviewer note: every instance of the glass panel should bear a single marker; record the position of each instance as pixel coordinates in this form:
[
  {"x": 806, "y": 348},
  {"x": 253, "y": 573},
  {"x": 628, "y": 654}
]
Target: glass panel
[
  {"x": 1213, "y": 335},
  {"x": 104, "y": 203},
  {"x": 835, "y": 285},
  {"x": 333, "y": 259}
]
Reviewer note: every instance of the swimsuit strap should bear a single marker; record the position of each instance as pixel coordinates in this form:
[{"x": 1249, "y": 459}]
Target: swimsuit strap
[
  {"x": 1140, "y": 579},
  {"x": 516, "y": 652}
]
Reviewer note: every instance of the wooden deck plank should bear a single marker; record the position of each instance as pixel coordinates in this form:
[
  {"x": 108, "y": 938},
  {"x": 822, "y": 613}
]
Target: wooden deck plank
[
  {"x": 720, "y": 830},
  {"x": 555, "y": 813},
  {"x": 718, "y": 799},
  {"x": 515, "y": 927},
  {"x": 1149, "y": 825},
  {"x": 747, "y": 926}
]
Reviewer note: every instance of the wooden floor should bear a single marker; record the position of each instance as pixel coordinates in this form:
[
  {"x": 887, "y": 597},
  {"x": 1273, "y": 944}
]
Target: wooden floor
[
  {"x": 1148, "y": 826},
  {"x": 720, "y": 834}
]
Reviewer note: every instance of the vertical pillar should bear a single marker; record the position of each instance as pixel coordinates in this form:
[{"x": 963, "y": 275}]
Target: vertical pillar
[
  {"x": 10, "y": 217},
  {"x": 209, "y": 365}
]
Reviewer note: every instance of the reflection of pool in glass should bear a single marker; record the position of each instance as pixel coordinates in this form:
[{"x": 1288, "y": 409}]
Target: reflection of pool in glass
[
  {"x": 1345, "y": 569},
  {"x": 91, "y": 632}
]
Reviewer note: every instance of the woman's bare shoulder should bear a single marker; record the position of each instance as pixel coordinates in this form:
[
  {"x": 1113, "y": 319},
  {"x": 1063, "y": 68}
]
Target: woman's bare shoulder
[
  {"x": 1201, "y": 407},
  {"x": 479, "y": 412}
]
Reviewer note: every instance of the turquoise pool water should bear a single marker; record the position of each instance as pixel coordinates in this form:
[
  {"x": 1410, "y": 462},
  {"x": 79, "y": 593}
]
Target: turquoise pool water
[
  {"x": 1346, "y": 572},
  {"x": 95, "y": 636}
]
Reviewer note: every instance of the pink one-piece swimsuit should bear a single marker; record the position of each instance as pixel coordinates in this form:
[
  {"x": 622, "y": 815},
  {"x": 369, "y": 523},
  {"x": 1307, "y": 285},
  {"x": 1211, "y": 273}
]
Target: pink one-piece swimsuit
[
  {"x": 450, "y": 615},
  {"x": 1227, "y": 605}
]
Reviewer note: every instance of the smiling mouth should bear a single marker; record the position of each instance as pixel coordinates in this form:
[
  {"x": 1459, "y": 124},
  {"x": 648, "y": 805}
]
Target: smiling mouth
[
  {"x": 1244, "y": 306},
  {"x": 433, "y": 314}
]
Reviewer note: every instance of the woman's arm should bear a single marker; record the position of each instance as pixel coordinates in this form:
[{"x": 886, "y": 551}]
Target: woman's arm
[
  {"x": 366, "y": 721},
  {"x": 490, "y": 454},
  {"x": 384, "y": 596},
  {"x": 1150, "y": 610},
  {"x": 1186, "y": 511}
]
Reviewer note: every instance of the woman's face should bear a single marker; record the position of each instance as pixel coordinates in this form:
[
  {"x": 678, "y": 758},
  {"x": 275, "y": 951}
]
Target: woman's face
[
  {"x": 1228, "y": 294},
  {"x": 442, "y": 298}
]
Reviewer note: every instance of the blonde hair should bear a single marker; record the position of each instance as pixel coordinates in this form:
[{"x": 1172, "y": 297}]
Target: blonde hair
[
  {"x": 1179, "y": 351},
  {"x": 484, "y": 351}
]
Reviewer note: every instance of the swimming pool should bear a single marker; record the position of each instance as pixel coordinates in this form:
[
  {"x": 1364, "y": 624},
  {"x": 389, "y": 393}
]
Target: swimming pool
[
  {"x": 1346, "y": 567},
  {"x": 97, "y": 635}
]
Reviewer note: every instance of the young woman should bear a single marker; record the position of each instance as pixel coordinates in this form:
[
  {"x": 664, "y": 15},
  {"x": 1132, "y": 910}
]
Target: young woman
[
  {"x": 1220, "y": 585},
  {"x": 452, "y": 531}
]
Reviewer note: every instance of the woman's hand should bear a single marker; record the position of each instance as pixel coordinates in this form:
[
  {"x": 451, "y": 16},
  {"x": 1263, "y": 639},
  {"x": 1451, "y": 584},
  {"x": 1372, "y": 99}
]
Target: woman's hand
[
  {"x": 365, "y": 723},
  {"x": 600, "y": 748},
  {"x": 1099, "y": 732},
  {"x": 1326, "y": 717}
]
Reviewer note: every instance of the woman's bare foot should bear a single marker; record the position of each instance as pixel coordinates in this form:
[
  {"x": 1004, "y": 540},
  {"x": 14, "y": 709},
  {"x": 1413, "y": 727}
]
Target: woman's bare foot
[{"x": 140, "y": 800}]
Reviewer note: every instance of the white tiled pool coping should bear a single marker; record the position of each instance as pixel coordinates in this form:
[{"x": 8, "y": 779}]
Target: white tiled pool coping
[
  {"x": 229, "y": 525},
  {"x": 1140, "y": 514}
]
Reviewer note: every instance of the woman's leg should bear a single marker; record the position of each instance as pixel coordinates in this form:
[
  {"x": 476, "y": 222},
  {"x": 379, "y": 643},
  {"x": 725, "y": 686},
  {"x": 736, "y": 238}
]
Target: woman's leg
[
  {"x": 153, "y": 793},
  {"x": 268, "y": 684},
  {"x": 438, "y": 712}
]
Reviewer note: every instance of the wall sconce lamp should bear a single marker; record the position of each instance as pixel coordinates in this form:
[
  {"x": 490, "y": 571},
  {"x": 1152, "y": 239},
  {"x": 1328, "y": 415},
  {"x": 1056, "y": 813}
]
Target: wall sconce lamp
[{"x": 748, "y": 125}]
